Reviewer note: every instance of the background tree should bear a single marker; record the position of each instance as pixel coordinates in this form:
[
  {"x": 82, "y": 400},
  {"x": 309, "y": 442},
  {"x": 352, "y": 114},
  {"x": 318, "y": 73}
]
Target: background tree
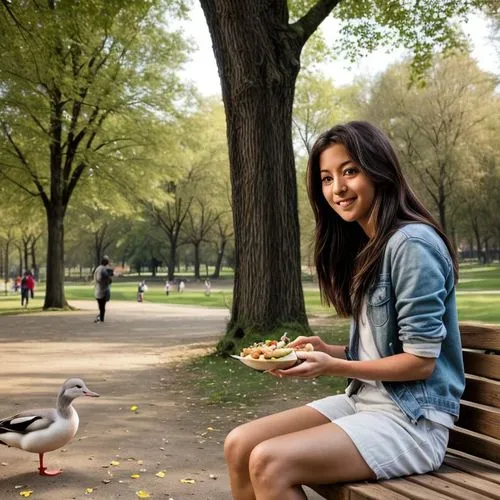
[
  {"x": 435, "y": 126},
  {"x": 64, "y": 73}
]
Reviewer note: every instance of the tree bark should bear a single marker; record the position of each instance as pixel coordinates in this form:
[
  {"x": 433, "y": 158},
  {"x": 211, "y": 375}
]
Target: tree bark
[
  {"x": 54, "y": 296},
  {"x": 258, "y": 66}
]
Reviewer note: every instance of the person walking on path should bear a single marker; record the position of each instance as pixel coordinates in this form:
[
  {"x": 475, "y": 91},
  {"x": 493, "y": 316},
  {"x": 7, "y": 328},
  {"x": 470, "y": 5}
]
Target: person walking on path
[
  {"x": 141, "y": 288},
  {"x": 208, "y": 287},
  {"x": 382, "y": 259},
  {"x": 102, "y": 279},
  {"x": 25, "y": 292}
]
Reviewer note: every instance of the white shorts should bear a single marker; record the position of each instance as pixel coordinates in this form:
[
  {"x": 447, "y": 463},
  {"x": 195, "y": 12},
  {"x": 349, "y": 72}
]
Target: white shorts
[{"x": 386, "y": 439}]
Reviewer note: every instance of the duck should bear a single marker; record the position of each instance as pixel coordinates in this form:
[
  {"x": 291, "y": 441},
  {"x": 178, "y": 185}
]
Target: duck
[{"x": 43, "y": 430}]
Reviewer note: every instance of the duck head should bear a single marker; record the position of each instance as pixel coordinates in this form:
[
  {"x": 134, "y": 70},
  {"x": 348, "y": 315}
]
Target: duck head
[{"x": 74, "y": 388}]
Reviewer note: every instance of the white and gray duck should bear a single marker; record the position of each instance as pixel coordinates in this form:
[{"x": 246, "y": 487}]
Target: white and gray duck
[{"x": 43, "y": 430}]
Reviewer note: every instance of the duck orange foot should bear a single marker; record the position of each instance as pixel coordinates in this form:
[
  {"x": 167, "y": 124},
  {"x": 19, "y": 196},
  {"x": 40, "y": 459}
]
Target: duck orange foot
[{"x": 44, "y": 472}]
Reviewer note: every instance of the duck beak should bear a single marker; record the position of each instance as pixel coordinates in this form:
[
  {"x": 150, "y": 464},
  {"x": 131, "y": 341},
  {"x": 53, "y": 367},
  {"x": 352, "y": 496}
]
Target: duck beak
[{"x": 90, "y": 394}]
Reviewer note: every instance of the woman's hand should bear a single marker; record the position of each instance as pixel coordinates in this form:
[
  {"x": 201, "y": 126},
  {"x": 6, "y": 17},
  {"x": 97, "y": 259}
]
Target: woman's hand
[
  {"x": 316, "y": 342},
  {"x": 313, "y": 364}
]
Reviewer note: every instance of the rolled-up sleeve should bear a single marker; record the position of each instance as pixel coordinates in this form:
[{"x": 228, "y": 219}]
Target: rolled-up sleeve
[{"x": 419, "y": 277}]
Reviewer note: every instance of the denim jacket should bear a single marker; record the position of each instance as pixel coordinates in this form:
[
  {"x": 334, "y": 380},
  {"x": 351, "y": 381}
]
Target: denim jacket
[{"x": 412, "y": 308}]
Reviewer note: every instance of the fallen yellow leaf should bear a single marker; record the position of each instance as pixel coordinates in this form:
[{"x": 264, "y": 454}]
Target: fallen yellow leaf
[
  {"x": 133, "y": 408},
  {"x": 26, "y": 493},
  {"x": 114, "y": 462},
  {"x": 160, "y": 474},
  {"x": 187, "y": 481},
  {"x": 142, "y": 494},
  {"x": 135, "y": 476},
  {"x": 88, "y": 491}
]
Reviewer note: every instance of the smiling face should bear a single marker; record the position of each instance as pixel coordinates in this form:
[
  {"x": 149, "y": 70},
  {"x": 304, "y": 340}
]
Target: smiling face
[{"x": 346, "y": 188}]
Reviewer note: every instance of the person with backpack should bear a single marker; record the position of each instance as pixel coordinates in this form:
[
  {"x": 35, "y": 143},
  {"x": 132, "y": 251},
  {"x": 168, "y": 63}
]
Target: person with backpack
[
  {"x": 25, "y": 291},
  {"x": 102, "y": 279}
]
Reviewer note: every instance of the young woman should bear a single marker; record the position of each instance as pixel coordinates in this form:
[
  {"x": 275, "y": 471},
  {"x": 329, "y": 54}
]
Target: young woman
[{"x": 382, "y": 259}]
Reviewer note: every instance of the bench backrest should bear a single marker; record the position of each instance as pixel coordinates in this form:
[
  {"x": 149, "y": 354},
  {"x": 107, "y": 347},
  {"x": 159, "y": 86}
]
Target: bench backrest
[{"x": 477, "y": 431}]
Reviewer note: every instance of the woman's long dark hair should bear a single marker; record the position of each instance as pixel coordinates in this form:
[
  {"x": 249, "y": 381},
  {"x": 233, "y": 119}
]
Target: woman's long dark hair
[{"x": 347, "y": 262}]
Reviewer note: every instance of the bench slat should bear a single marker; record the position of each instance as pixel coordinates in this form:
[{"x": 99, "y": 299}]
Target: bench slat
[
  {"x": 475, "y": 444},
  {"x": 484, "y": 365},
  {"x": 413, "y": 490},
  {"x": 481, "y": 419},
  {"x": 474, "y": 467},
  {"x": 472, "y": 483},
  {"x": 356, "y": 491},
  {"x": 437, "y": 483},
  {"x": 372, "y": 491},
  {"x": 480, "y": 336},
  {"x": 480, "y": 390}
]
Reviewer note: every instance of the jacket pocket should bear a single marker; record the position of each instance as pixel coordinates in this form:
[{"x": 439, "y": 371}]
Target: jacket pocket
[{"x": 378, "y": 304}]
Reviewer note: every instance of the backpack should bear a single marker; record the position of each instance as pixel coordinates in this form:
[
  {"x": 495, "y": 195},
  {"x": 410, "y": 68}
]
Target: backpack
[{"x": 105, "y": 278}]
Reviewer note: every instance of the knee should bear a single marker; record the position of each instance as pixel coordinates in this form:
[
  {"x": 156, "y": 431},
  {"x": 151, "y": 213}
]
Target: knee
[
  {"x": 237, "y": 447},
  {"x": 265, "y": 465}
]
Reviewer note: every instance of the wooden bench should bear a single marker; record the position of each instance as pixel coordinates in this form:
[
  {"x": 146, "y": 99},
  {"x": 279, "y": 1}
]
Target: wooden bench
[{"x": 471, "y": 469}]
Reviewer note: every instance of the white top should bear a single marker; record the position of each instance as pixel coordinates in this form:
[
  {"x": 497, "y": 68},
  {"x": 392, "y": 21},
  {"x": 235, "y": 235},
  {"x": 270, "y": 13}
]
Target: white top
[{"x": 367, "y": 350}]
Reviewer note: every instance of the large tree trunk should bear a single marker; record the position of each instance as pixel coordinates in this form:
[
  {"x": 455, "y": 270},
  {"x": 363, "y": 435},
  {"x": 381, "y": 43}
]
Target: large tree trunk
[
  {"x": 258, "y": 72},
  {"x": 54, "y": 296}
]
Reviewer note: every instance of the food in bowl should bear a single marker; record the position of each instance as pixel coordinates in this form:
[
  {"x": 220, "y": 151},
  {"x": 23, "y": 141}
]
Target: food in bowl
[{"x": 272, "y": 349}]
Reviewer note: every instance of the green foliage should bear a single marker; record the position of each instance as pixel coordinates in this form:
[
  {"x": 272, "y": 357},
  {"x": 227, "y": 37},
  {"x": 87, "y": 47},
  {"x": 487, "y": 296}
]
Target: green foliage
[
  {"x": 421, "y": 26},
  {"x": 440, "y": 130},
  {"x": 82, "y": 90}
]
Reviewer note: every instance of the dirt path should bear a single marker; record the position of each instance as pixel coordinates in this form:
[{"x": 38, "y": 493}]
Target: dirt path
[{"x": 130, "y": 360}]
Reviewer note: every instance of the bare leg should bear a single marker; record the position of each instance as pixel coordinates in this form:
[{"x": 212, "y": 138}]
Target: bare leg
[
  {"x": 243, "y": 439},
  {"x": 319, "y": 455},
  {"x": 43, "y": 470}
]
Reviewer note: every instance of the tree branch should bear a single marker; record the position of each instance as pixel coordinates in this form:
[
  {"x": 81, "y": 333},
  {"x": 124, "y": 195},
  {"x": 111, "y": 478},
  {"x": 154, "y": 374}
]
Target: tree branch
[{"x": 309, "y": 23}]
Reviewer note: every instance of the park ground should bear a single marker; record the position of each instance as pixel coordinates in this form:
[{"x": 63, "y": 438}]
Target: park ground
[
  {"x": 149, "y": 433},
  {"x": 153, "y": 432}
]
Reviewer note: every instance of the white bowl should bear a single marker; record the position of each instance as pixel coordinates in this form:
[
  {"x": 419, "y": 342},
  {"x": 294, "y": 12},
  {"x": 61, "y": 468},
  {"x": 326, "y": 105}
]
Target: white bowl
[{"x": 269, "y": 364}]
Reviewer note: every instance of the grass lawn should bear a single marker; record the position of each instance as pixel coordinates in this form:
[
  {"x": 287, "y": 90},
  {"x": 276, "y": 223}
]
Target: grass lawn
[
  {"x": 479, "y": 278},
  {"x": 472, "y": 307}
]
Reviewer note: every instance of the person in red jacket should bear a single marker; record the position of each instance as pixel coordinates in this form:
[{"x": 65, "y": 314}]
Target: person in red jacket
[{"x": 30, "y": 284}]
